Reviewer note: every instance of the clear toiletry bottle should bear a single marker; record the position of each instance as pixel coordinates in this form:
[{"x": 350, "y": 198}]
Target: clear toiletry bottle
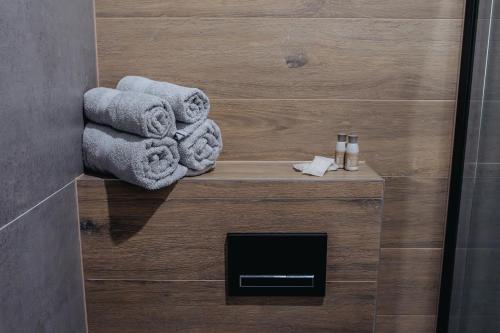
[
  {"x": 340, "y": 150},
  {"x": 352, "y": 153}
]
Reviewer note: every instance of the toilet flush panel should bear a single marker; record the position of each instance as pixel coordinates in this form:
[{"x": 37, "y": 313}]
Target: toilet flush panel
[{"x": 276, "y": 264}]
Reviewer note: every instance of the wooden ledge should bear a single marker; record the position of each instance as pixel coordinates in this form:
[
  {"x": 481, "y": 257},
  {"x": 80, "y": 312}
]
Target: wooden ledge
[
  {"x": 269, "y": 171},
  {"x": 261, "y": 179}
]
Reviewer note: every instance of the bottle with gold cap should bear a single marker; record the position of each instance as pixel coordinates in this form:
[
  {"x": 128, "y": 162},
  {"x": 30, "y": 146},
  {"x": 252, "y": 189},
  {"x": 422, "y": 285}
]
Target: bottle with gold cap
[
  {"x": 340, "y": 149},
  {"x": 352, "y": 153}
]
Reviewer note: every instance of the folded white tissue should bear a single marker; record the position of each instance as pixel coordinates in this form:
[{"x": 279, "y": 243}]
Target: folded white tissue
[{"x": 317, "y": 167}]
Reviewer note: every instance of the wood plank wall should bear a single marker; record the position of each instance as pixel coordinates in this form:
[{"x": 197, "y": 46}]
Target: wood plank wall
[
  {"x": 154, "y": 261},
  {"x": 285, "y": 76}
]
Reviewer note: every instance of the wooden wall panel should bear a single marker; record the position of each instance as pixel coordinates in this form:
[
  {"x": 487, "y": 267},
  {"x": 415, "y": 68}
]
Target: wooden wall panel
[
  {"x": 184, "y": 239},
  {"x": 414, "y": 212},
  {"x": 286, "y": 58},
  {"x": 406, "y": 324},
  {"x": 285, "y": 76},
  {"x": 408, "y": 281},
  {"x": 281, "y": 8},
  {"x": 154, "y": 261},
  {"x": 398, "y": 138},
  {"x": 201, "y": 306}
]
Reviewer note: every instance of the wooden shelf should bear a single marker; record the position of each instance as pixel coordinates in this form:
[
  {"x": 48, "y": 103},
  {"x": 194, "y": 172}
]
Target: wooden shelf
[
  {"x": 269, "y": 170},
  {"x": 266, "y": 179}
]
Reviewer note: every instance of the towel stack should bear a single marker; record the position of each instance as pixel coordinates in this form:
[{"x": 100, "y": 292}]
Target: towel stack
[{"x": 149, "y": 133}]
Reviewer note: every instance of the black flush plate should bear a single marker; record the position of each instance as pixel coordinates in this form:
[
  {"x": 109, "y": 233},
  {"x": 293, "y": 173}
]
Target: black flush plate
[{"x": 276, "y": 264}]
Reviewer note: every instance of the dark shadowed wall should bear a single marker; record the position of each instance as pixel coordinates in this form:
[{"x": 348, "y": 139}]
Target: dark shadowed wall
[{"x": 47, "y": 61}]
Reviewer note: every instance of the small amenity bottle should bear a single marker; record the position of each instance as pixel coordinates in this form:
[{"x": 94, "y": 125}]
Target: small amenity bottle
[
  {"x": 352, "y": 153},
  {"x": 340, "y": 150}
]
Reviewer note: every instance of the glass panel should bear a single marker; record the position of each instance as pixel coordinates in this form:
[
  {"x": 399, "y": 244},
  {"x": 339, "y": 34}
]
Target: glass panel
[{"x": 475, "y": 303}]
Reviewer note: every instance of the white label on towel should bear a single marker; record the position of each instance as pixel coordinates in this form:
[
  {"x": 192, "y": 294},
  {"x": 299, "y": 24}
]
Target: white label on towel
[{"x": 318, "y": 166}]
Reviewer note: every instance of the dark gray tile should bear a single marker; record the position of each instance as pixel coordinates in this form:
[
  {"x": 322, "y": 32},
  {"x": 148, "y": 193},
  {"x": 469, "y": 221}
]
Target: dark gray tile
[
  {"x": 481, "y": 290},
  {"x": 495, "y": 25},
  {"x": 496, "y": 7},
  {"x": 480, "y": 56},
  {"x": 461, "y": 251},
  {"x": 493, "y": 66},
  {"x": 466, "y": 204},
  {"x": 41, "y": 287},
  {"x": 457, "y": 291},
  {"x": 473, "y": 130},
  {"x": 47, "y": 61},
  {"x": 489, "y": 147},
  {"x": 476, "y": 291},
  {"x": 480, "y": 324},
  {"x": 488, "y": 170},
  {"x": 492, "y": 82},
  {"x": 453, "y": 324},
  {"x": 484, "y": 10},
  {"x": 484, "y": 229},
  {"x": 477, "y": 84}
]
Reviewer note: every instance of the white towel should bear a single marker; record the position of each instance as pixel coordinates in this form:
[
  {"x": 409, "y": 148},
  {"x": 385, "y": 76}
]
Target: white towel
[{"x": 317, "y": 167}]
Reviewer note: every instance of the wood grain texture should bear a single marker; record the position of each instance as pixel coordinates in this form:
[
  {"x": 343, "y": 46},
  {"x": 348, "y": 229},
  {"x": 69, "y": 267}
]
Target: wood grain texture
[
  {"x": 143, "y": 237},
  {"x": 268, "y": 171},
  {"x": 397, "y": 138},
  {"x": 250, "y": 180},
  {"x": 201, "y": 306},
  {"x": 283, "y": 78},
  {"x": 414, "y": 212},
  {"x": 405, "y": 324},
  {"x": 281, "y": 8},
  {"x": 286, "y": 58},
  {"x": 408, "y": 281}
]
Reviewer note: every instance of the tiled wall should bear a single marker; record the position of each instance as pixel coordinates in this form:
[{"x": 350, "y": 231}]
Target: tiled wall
[
  {"x": 47, "y": 61},
  {"x": 285, "y": 75},
  {"x": 476, "y": 293}
]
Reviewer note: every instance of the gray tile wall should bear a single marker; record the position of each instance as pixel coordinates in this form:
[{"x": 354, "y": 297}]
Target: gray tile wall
[
  {"x": 41, "y": 271},
  {"x": 489, "y": 150},
  {"x": 47, "y": 61}
]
